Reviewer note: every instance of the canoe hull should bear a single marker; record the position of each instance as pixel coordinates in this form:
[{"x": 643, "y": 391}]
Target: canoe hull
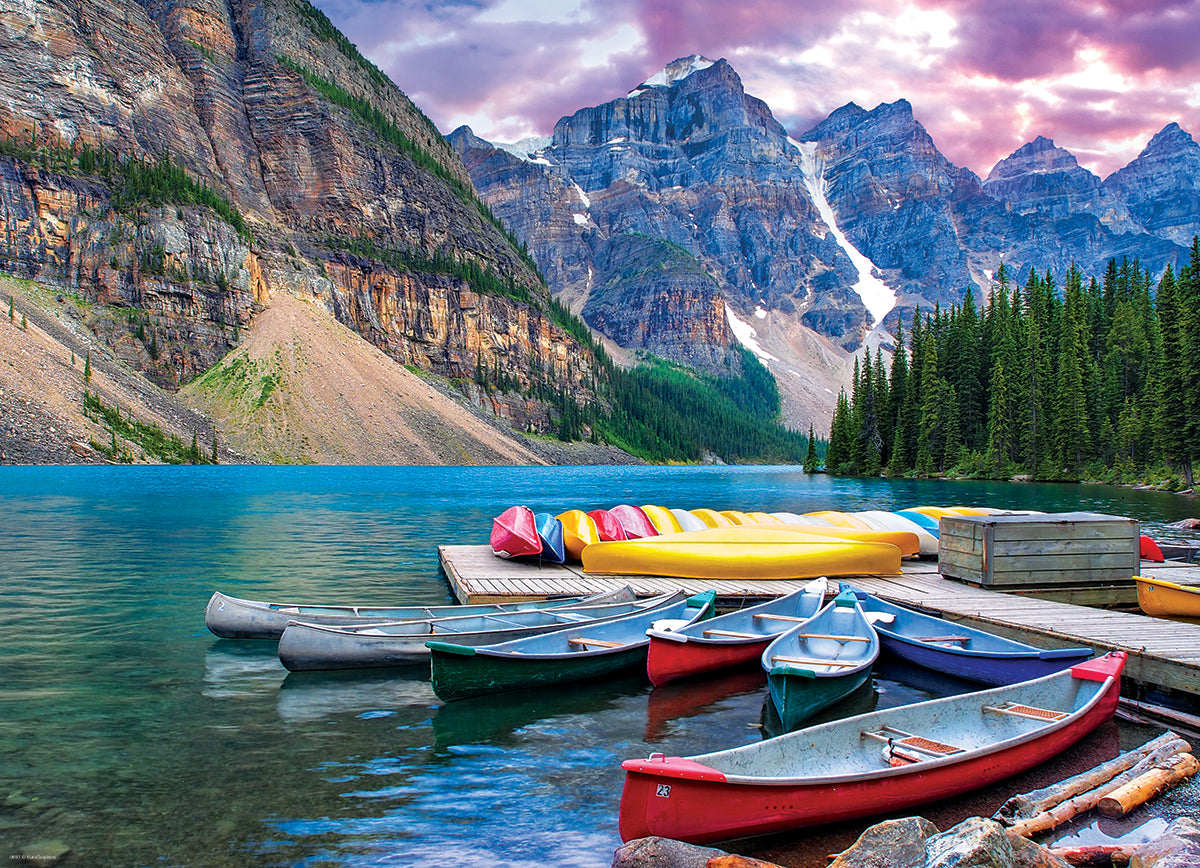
[
  {"x": 985, "y": 670},
  {"x": 796, "y": 698},
  {"x": 668, "y": 661},
  {"x": 688, "y": 800},
  {"x": 456, "y": 677},
  {"x": 1167, "y": 599}
]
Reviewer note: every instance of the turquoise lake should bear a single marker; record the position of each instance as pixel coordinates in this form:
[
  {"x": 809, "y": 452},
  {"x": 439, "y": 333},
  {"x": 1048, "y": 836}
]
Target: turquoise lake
[{"x": 134, "y": 737}]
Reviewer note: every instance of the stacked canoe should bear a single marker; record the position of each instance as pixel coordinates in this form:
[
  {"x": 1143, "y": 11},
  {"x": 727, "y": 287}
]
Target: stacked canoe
[{"x": 705, "y": 543}]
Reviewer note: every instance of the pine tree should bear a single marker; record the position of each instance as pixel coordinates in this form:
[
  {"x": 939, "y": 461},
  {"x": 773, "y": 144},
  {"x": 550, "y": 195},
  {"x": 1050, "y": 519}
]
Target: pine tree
[
  {"x": 1071, "y": 426},
  {"x": 900, "y": 459},
  {"x": 87, "y": 367},
  {"x": 810, "y": 457}
]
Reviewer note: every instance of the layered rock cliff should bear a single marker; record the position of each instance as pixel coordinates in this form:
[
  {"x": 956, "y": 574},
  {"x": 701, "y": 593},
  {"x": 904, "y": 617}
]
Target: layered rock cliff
[{"x": 328, "y": 184}]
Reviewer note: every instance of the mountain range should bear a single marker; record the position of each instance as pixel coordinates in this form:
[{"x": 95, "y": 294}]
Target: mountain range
[
  {"x": 174, "y": 171},
  {"x": 814, "y": 245}
]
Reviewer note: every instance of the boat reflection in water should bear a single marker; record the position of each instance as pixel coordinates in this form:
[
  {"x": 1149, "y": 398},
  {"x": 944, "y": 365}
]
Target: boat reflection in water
[
  {"x": 312, "y": 696},
  {"x": 671, "y": 703}
]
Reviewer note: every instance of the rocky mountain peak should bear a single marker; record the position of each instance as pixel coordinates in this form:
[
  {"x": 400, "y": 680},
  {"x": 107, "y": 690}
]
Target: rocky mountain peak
[
  {"x": 676, "y": 70},
  {"x": 1162, "y": 185},
  {"x": 1040, "y": 156}
]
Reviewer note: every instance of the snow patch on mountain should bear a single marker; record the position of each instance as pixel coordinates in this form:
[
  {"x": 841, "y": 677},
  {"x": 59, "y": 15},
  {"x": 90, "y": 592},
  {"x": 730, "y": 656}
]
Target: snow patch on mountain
[
  {"x": 876, "y": 295},
  {"x": 748, "y": 337},
  {"x": 528, "y": 149},
  {"x": 676, "y": 70}
]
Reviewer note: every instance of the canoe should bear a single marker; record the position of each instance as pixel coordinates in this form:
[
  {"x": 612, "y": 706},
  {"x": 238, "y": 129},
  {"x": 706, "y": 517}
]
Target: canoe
[
  {"x": 663, "y": 519},
  {"x": 733, "y": 639},
  {"x": 550, "y": 532},
  {"x": 1148, "y": 550},
  {"x": 688, "y": 521},
  {"x": 742, "y": 553},
  {"x": 737, "y": 517},
  {"x": 962, "y": 651},
  {"x": 306, "y": 647},
  {"x": 235, "y": 618},
  {"x": 579, "y": 531},
  {"x": 793, "y": 518},
  {"x": 514, "y": 533},
  {"x": 819, "y": 661},
  {"x": 574, "y": 654},
  {"x": 712, "y": 518},
  {"x": 841, "y": 519},
  {"x": 928, "y": 522},
  {"x": 843, "y": 769},
  {"x": 1158, "y": 597},
  {"x": 879, "y": 520},
  {"x": 634, "y": 521},
  {"x": 608, "y": 526},
  {"x": 908, "y": 543}
]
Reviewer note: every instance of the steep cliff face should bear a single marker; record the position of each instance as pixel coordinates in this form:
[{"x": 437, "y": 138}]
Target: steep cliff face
[{"x": 340, "y": 189}]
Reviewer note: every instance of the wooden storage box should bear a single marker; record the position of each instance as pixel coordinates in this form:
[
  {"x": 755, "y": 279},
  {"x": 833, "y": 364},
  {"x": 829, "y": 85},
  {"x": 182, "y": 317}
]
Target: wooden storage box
[{"x": 1065, "y": 548}]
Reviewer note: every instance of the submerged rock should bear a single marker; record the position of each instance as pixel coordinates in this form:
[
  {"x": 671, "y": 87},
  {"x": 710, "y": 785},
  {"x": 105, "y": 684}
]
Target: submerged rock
[{"x": 1177, "y": 847}]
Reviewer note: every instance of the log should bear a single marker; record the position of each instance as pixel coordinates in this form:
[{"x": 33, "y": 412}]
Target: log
[
  {"x": 1146, "y": 786},
  {"x": 1028, "y": 805},
  {"x": 1099, "y": 855},
  {"x": 1066, "y": 810}
]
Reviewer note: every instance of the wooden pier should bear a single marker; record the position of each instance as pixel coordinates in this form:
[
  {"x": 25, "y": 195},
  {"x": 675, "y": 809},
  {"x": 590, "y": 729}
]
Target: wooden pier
[{"x": 1163, "y": 655}]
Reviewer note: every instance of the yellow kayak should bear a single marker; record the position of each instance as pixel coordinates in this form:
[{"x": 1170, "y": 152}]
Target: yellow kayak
[
  {"x": 662, "y": 518},
  {"x": 579, "y": 531},
  {"x": 909, "y": 543},
  {"x": 1159, "y": 597},
  {"x": 743, "y": 553}
]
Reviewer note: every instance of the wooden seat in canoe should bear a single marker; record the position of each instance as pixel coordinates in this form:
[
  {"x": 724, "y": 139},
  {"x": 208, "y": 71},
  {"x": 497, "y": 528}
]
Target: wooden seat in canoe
[
  {"x": 963, "y": 639},
  {"x": 1026, "y": 711},
  {"x": 918, "y": 743},
  {"x": 833, "y": 637},
  {"x": 791, "y": 618},
  {"x": 733, "y": 634},
  {"x": 811, "y": 661},
  {"x": 594, "y": 643}
]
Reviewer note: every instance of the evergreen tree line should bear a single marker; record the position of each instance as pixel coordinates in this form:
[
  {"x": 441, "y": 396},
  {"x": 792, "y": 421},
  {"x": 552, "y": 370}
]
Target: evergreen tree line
[{"x": 1100, "y": 380}]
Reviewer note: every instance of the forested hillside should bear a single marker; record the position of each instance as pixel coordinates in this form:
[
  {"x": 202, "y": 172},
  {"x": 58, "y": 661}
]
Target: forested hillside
[{"x": 1097, "y": 380}]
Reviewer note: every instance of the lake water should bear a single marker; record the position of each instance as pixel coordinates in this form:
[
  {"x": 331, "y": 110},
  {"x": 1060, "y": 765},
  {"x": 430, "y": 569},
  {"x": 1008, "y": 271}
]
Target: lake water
[{"x": 132, "y": 736}]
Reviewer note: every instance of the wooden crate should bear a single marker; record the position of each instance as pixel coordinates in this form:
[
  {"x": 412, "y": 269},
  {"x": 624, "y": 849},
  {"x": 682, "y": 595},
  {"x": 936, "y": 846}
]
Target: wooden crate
[{"x": 1065, "y": 548}]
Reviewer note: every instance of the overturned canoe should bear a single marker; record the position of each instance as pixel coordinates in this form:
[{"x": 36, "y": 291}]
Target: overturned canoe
[
  {"x": 579, "y": 531},
  {"x": 733, "y": 639},
  {"x": 515, "y": 534},
  {"x": 881, "y": 761},
  {"x": 744, "y": 552}
]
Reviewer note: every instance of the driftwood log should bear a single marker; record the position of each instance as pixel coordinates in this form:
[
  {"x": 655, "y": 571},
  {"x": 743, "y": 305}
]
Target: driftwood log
[
  {"x": 1042, "y": 810},
  {"x": 1098, "y": 855},
  {"x": 1146, "y": 786}
]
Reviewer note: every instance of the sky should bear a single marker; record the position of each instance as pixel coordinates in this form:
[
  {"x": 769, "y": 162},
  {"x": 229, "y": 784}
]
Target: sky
[{"x": 1099, "y": 77}]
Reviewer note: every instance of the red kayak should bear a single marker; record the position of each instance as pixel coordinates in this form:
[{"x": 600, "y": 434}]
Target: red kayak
[
  {"x": 608, "y": 526},
  {"x": 871, "y": 763},
  {"x": 634, "y": 521},
  {"x": 515, "y": 534}
]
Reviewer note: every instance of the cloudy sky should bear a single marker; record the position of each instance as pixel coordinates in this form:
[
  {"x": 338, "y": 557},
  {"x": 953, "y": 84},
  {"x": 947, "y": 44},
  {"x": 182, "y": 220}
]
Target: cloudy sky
[{"x": 1099, "y": 77}]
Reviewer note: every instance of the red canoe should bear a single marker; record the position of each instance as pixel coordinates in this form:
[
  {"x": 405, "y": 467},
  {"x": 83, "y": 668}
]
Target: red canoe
[
  {"x": 634, "y": 521},
  {"x": 733, "y": 639},
  {"x": 514, "y": 533},
  {"x": 871, "y": 763},
  {"x": 608, "y": 526}
]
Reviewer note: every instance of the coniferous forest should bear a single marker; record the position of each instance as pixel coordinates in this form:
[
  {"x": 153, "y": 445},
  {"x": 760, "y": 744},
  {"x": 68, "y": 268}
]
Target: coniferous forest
[{"x": 1096, "y": 379}]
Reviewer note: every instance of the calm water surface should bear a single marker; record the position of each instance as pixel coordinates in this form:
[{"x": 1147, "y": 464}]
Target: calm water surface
[{"x": 134, "y": 737}]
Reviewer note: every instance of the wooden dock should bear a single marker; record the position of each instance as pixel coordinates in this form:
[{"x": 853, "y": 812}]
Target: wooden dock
[{"x": 1163, "y": 655}]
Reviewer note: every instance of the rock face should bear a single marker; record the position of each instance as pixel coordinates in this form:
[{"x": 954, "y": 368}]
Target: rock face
[
  {"x": 692, "y": 162},
  {"x": 347, "y": 192},
  {"x": 1161, "y": 188}
]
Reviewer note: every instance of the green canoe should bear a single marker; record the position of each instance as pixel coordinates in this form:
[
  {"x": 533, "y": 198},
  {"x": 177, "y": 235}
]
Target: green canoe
[{"x": 573, "y": 654}]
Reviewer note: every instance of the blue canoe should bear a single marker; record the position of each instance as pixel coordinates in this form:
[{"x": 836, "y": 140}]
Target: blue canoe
[
  {"x": 550, "y": 531},
  {"x": 962, "y": 651}
]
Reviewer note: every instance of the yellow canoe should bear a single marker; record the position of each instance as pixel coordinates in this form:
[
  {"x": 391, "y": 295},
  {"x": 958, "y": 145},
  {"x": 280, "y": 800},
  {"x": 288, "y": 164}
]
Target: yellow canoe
[
  {"x": 840, "y": 519},
  {"x": 579, "y": 531},
  {"x": 1159, "y": 597},
  {"x": 909, "y": 543},
  {"x": 662, "y": 518},
  {"x": 738, "y": 517},
  {"x": 711, "y": 517},
  {"x": 743, "y": 553}
]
